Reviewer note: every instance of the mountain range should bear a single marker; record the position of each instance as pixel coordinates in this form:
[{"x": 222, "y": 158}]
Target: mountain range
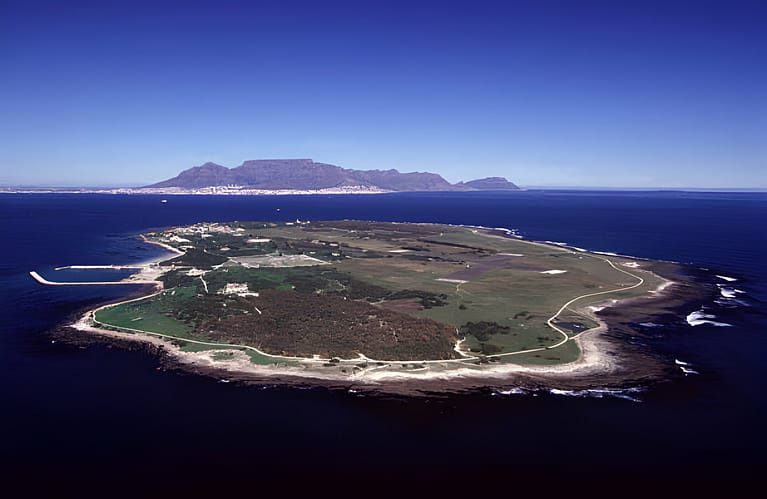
[{"x": 305, "y": 174}]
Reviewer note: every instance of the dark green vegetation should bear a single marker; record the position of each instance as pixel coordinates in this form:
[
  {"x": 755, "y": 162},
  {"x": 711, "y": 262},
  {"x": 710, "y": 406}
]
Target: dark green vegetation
[
  {"x": 196, "y": 258},
  {"x": 387, "y": 291},
  {"x": 483, "y": 330},
  {"x": 305, "y": 324}
]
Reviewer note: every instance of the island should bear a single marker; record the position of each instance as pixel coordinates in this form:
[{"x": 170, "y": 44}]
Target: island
[{"x": 388, "y": 306}]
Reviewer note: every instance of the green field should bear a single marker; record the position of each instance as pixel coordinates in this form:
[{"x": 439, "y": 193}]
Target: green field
[{"x": 152, "y": 314}]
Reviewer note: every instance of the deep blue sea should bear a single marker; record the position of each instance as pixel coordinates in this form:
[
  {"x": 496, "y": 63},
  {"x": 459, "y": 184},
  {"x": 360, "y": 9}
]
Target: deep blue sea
[{"x": 103, "y": 415}]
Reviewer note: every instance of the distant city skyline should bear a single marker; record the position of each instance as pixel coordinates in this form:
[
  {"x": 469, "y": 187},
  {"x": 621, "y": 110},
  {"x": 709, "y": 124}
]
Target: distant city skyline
[{"x": 544, "y": 93}]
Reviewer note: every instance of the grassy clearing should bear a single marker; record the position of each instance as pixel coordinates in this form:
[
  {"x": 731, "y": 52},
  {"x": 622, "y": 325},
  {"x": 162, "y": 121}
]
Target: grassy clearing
[
  {"x": 475, "y": 238},
  {"x": 522, "y": 298},
  {"x": 152, "y": 315},
  {"x": 265, "y": 360},
  {"x": 569, "y": 352}
]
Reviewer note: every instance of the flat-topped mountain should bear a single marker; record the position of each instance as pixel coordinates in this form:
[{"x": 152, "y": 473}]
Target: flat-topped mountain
[{"x": 305, "y": 174}]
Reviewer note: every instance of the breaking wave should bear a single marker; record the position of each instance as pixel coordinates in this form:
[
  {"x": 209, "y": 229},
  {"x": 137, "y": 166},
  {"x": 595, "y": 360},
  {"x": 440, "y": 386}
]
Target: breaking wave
[
  {"x": 730, "y": 296},
  {"x": 730, "y": 292},
  {"x": 685, "y": 367},
  {"x": 687, "y": 370},
  {"x": 565, "y": 245},
  {"x": 725, "y": 278},
  {"x": 508, "y": 232},
  {"x": 700, "y": 317},
  {"x": 620, "y": 393},
  {"x": 513, "y": 391}
]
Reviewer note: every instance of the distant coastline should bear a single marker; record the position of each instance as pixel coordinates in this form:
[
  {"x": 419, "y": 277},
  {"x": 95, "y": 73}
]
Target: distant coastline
[
  {"x": 241, "y": 191},
  {"x": 204, "y": 191},
  {"x": 290, "y": 176}
]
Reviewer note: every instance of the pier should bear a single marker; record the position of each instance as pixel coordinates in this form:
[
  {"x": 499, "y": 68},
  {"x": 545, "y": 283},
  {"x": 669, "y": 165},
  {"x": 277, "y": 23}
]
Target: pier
[
  {"x": 103, "y": 267},
  {"x": 42, "y": 280}
]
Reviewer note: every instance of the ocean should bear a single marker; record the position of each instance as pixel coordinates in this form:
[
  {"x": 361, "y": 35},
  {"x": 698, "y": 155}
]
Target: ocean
[{"x": 90, "y": 416}]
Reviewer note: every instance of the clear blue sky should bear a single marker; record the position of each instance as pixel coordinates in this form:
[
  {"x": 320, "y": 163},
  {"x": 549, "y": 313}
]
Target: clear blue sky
[{"x": 567, "y": 93}]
